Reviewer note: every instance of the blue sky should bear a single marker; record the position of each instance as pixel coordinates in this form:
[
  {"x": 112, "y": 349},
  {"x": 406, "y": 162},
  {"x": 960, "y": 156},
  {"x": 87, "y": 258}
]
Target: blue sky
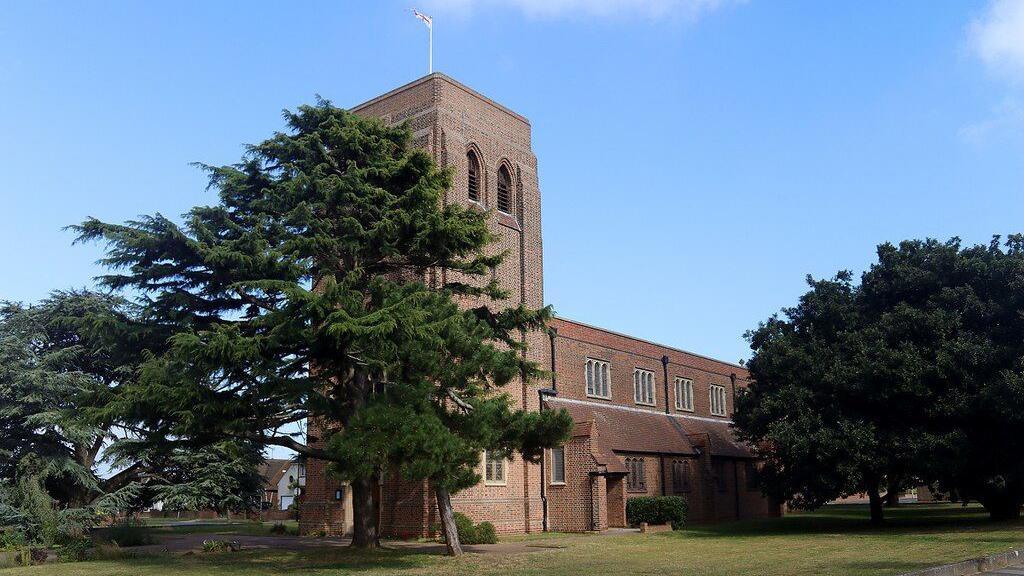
[{"x": 697, "y": 157}]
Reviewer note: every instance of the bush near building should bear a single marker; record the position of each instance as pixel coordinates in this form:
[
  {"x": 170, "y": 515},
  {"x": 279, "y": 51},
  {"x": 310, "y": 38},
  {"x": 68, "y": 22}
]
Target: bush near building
[{"x": 656, "y": 510}]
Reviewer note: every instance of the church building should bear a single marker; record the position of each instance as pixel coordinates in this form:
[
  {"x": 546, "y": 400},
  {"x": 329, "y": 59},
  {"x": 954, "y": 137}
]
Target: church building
[{"x": 649, "y": 419}]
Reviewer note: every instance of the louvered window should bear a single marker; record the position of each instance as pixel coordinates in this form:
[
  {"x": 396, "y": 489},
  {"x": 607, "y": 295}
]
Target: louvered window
[
  {"x": 504, "y": 190},
  {"x": 474, "y": 177}
]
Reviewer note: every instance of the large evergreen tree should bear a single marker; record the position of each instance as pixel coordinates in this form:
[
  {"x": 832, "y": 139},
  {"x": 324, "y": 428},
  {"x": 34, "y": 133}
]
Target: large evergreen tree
[
  {"x": 298, "y": 294},
  {"x": 62, "y": 362}
]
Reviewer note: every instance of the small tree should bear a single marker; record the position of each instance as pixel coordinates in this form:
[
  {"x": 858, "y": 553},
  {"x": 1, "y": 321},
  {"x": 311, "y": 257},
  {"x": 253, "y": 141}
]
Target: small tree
[{"x": 441, "y": 407}]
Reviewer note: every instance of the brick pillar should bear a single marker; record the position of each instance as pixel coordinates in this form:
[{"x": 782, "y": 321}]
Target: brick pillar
[{"x": 599, "y": 503}]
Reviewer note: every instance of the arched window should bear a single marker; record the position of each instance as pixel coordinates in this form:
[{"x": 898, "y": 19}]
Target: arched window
[
  {"x": 473, "y": 190},
  {"x": 504, "y": 190}
]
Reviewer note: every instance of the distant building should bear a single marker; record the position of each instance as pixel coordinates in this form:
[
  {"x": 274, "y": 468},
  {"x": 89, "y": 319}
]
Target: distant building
[
  {"x": 650, "y": 419},
  {"x": 283, "y": 481}
]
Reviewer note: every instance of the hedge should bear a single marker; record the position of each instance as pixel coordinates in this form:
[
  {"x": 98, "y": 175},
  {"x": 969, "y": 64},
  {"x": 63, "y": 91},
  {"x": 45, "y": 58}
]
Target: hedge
[{"x": 656, "y": 510}]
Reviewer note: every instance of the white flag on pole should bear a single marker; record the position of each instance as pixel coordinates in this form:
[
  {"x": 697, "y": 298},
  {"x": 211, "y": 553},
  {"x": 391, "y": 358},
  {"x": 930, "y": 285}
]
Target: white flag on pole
[
  {"x": 426, "y": 19},
  {"x": 430, "y": 41}
]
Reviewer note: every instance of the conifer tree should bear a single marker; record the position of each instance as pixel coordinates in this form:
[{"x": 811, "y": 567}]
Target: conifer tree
[{"x": 302, "y": 291}]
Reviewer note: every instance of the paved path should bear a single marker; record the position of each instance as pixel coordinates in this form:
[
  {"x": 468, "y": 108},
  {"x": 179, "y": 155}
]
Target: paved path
[{"x": 1013, "y": 570}]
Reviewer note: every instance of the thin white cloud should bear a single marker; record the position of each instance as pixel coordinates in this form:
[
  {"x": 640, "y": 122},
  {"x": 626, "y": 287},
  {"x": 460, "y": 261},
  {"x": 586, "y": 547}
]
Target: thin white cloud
[
  {"x": 1005, "y": 121},
  {"x": 652, "y": 9},
  {"x": 997, "y": 38}
]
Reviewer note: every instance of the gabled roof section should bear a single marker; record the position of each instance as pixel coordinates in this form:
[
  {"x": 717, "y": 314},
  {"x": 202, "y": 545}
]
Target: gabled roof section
[
  {"x": 625, "y": 429},
  {"x": 273, "y": 470},
  {"x": 629, "y": 431}
]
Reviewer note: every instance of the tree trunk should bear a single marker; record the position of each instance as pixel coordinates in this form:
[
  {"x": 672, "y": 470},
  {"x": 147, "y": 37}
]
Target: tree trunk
[
  {"x": 451, "y": 533},
  {"x": 1002, "y": 507},
  {"x": 875, "y": 500},
  {"x": 364, "y": 514}
]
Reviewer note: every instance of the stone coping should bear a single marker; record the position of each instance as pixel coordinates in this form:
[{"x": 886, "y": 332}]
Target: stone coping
[{"x": 972, "y": 566}]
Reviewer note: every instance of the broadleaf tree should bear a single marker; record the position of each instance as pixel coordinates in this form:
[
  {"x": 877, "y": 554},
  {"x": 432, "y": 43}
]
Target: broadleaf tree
[
  {"x": 291, "y": 297},
  {"x": 913, "y": 375}
]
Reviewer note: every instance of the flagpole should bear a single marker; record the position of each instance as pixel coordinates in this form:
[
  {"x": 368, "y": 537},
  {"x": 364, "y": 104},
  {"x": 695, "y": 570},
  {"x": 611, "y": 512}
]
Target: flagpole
[{"x": 430, "y": 38}]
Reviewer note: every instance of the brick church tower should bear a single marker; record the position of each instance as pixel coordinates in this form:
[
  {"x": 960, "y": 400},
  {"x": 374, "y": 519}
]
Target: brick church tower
[{"x": 488, "y": 148}]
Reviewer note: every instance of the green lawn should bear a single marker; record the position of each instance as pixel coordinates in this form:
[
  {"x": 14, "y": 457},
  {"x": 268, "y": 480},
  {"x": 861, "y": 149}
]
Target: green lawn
[{"x": 833, "y": 541}]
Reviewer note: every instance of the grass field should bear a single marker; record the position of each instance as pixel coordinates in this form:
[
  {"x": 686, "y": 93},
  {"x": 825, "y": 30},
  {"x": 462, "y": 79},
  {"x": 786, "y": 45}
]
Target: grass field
[{"x": 833, "y": 541}]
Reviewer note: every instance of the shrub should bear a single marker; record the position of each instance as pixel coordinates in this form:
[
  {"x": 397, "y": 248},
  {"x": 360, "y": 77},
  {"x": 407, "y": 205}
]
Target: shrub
[
  {"x": 220, "y": 546},
  {"x": 482, "y": 533},
  {"x": 279, "y": 529},
  {"x": 13, "y": 538},
  {"x": 110, "y": 551},
  {"x": 74, "y": 550},
  {"x": 485, "y": 534},
  {"x": 656, "y": 510},
  {"x": 129, "y": 532}
]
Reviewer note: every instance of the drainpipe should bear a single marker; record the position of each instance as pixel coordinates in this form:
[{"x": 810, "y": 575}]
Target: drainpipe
[
  {"x": 552, "y": 334},
  {"x": 543, "y": 474},
  {"x": 732, "y": 378},
  {"x": 541, "y": 393},
  {"x": 664, "y": 371}
]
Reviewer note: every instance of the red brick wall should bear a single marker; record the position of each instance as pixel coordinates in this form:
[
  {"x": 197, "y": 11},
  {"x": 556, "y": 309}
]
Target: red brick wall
[{"x": 576, "y": 342}]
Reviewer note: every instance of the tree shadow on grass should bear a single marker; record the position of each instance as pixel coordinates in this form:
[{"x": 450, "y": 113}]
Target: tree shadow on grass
[
  {"x": 873, "y": 567},
  {"x": 341, "y": 560},
  {"x": 854, "y": 519}
]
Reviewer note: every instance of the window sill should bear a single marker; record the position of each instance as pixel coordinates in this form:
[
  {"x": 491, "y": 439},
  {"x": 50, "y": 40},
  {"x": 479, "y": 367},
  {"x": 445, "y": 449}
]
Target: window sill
[
  {"x": 492, "y": 483},
  {"x": 599, "y": 397},
  {"x": 556, "y": 484},
  {"x": 690, "y": 410},
  {"x": 508, "y": 220},
  {"x": 651, "y": 404}
]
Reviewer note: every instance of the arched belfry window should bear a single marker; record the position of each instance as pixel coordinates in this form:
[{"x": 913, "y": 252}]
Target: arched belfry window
[
  {"x": 504, "y": 190},
  {"x": 473, "y": 187}
]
